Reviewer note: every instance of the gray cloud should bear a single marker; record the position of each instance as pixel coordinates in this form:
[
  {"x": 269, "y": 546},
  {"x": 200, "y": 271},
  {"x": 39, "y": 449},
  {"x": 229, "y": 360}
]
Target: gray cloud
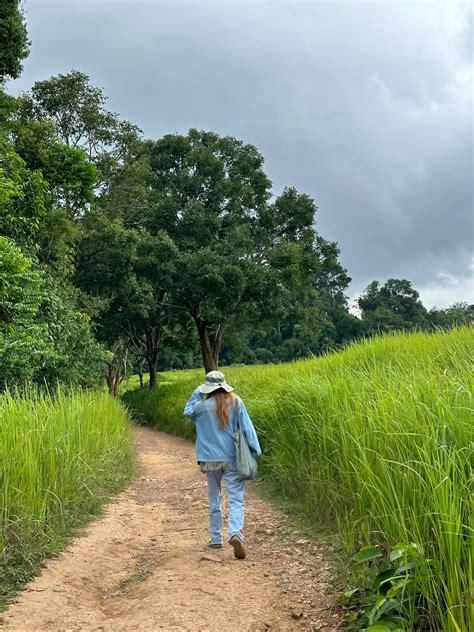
[{"x": 365, "y": 106}]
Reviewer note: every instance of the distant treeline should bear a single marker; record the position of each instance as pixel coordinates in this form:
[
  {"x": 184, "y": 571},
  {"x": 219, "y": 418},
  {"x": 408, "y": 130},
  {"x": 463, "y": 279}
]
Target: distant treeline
[{"x": 119, "y": 253}]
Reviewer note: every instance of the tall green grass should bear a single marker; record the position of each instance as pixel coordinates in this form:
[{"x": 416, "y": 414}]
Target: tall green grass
[
  {"x": 377, "y": 441},
  {"x": 61, "y": 457}
]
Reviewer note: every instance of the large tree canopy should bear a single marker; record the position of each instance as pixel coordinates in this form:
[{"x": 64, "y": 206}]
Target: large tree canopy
[
  {"x": 14, "y": 43},
  {"x": 187, "y": 231},
  {"x": 242, "y": 255}
]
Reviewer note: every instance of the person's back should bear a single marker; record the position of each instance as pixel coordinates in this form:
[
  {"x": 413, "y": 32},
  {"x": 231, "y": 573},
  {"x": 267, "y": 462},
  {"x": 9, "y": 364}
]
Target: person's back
[
  {"x": 214, "y": 441},
  {"x": 216, "y": 412}
]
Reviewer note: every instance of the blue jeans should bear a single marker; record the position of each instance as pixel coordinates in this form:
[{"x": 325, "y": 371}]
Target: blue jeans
[{"x": 235, "y": 494}]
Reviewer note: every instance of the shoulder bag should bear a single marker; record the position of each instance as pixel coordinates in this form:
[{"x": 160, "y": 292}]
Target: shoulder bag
[{"x": 246, "y": 462}]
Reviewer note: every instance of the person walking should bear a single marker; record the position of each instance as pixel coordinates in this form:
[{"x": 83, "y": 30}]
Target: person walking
[{"x": 217, "y": 411}]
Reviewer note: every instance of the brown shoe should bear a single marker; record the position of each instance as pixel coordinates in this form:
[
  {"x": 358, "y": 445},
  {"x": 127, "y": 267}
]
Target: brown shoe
[{"x": 238, "y": 545}]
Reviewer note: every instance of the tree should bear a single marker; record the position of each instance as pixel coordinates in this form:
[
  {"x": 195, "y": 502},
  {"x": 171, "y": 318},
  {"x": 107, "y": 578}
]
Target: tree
[
  {"x": 23, "y": 338},
  {"x": 44, "y": 187},
  {"x": 77, "y": 110},
  {"x": 240, "y": 255},
  {"x": 395, "y": 305},
  {"x": 68, "y": 170},
  {"x": 317, "y": 319},
  {"x": 43, "y": 338},
  {"x": 14, "y": 43},
  {"x": 119, "y": 265},
  {"x": 22, "y": 197},
  {"x": 77, "y": 357},
  {"x": 54, "y": 341},
  {"x": 116, "y": 366},
  {"x": 454, "y": 316},
  {"x": 129, "y": 270}
]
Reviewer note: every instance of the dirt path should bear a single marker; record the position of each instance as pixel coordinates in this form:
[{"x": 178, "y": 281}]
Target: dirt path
[{"x": 145, "y": 564}]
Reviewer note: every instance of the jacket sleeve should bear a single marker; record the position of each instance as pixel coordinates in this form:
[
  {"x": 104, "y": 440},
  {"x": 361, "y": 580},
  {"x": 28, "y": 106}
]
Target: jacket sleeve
[
  {"x": 191, "y": 405},
  {"x": 249, "y": 430}
]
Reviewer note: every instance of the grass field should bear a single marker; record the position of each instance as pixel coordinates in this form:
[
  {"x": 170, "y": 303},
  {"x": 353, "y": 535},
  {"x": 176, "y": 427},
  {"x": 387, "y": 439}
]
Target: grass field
[
  {"x": 61, "y": 458},
  {"x": 377, "y": 441}
]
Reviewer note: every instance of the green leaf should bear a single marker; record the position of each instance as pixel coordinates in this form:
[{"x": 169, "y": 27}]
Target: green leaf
[
  {"x": 402, "y": 550},
  {"x": 399, "y": 587},
  {"x": 404, "y": 568},
  {"x": 392, "y": 623},
  {"x": 345, "y": 598},
  {"x": 367, "y": 553},
  {"x": 396, "y": 554},
  {"x": 383, "y": 578}
]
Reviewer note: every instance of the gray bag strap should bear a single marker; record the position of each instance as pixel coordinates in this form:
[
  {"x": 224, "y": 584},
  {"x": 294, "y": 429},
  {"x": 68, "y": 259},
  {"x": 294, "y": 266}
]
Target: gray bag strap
[{"x": 237, "y": 412}]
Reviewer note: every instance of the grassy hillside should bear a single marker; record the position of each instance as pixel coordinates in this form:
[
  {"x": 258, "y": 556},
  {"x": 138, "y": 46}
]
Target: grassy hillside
[
  {"x": 61, "y": 458},
  {"x": 378, "y": 440}
]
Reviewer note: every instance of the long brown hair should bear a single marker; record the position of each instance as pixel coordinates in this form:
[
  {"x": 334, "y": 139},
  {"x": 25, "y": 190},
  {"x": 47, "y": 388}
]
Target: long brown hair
[{"x": 224, "y": 402}]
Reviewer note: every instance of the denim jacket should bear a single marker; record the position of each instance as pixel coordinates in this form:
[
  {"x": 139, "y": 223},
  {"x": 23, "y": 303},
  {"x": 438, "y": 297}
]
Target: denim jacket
[{"x": 212, "y": 442}]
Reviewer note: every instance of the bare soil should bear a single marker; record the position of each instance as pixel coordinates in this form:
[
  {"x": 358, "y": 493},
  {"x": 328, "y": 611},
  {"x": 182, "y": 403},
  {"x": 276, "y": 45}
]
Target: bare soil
[{"x": 146, "y": 565}]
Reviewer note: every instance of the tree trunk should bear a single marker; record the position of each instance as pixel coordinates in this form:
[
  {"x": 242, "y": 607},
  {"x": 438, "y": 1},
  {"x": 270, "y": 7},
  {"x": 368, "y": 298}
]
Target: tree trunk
[
  {"x": 209, "y": 350},
  {"x": 216, "y": 348},
  {"x": 152, "y": 372},
  {"x": 116, "y": 386},
  {"x": 205, "y": 343},
  {"x": 120, "y": 371},
  {"x": 140, "y": 371},
  {"x": 153, "y": 344},
  {"x": 115, "y": 370},
  {"x": 109, "y": 378}
]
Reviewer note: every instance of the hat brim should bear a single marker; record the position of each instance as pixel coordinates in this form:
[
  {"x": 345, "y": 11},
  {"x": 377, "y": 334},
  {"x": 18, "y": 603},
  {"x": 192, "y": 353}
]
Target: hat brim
[{"x": 208, "y": 388}]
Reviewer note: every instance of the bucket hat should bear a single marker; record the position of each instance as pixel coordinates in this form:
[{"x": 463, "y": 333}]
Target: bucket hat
[{"x": 214, "y": 381}]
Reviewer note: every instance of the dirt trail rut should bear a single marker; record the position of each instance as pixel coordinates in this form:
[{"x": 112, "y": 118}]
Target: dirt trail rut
[{"x": 145, "y": 565}]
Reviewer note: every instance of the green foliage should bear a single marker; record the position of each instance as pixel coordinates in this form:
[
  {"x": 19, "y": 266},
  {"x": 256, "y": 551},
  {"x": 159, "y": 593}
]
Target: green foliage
[
  {"x": 23, "y": 336},
  {"x": 22, "y": 197},
  {"x": 14, "y": 43},
  {"x": 68, "y": 177},
  {"x": 208, "y": 194},
  {"x": 455, "y": 316},
  {"x": 75, "y": 107},
  {"x": 242, "y": 257},
  {"x": 129, "y": 270},
  {"x": 20, "y": 286},
  {"x": 377, "y": 440},
  {"x": 67, "y": 168},
  {"x": 43, "y": 338},
  {"x": 390, "y": 600},
  {"x": 62, "y": 457},
  {"x": 393, "y": 307},
  {"x": 76, "y": 357},
  {"x": 396, "y": 306},
  {"x": 77, "y": 110}
]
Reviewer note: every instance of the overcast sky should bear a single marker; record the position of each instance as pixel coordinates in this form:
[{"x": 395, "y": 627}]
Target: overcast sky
[{"x": 367, "y": 107}]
